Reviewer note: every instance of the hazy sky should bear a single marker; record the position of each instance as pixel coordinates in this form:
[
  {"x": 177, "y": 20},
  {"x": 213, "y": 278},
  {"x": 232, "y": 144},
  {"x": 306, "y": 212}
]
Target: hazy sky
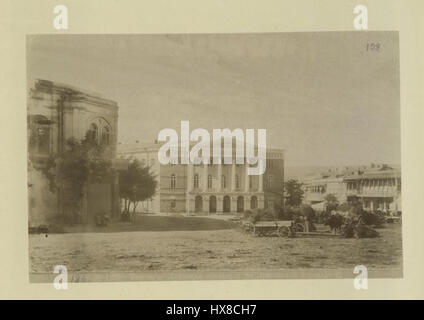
[{"x": 322, "y": 97}]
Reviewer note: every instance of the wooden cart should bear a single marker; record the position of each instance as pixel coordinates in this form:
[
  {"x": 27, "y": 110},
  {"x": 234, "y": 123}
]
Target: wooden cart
[
  {"x": 282, "y": 229},
  {"x": 268, "y": 228}
]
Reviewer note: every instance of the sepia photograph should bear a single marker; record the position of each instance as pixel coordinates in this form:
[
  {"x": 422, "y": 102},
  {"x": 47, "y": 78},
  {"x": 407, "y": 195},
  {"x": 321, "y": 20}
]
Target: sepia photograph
[{"x": 216, "y": 156}]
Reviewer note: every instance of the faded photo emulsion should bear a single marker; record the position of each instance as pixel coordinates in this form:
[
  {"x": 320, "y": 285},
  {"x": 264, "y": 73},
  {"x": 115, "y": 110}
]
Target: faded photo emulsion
[{"x": 214, "y": 156}]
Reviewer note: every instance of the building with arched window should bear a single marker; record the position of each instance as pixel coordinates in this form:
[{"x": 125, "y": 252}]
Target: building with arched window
[
  {"x": 211, "y": 188},
  {"x": 56, "y": 114}
]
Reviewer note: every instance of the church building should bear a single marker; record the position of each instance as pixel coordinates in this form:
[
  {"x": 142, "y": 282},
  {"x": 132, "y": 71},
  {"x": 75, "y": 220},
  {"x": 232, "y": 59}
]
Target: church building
[{"x": 57, "y": 112}]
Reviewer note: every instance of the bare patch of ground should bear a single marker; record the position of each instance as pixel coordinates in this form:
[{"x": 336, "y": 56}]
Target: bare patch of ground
[
  {"x": 209, "y": 250},
  {"x": 156, "y": 223}
]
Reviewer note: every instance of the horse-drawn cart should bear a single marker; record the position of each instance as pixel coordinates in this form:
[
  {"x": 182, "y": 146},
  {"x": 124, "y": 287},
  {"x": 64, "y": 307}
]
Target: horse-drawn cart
[
  {"x": 279, "y": 228},
  {"x": 268, "y": 228}
]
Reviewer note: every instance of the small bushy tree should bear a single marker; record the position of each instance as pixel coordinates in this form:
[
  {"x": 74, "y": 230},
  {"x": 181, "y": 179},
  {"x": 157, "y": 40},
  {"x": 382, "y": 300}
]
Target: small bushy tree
[
  {"x": 136, "y": 184},
  {"x": 335, "y": 222},
  {"x": 331, "y": 202},
  {"x": 309, "y": 213},
  {"x": 293, "y": 193},
  {"x": 344, "y": 207},
  {"x": 256, "y": 215},
  {"x": 356, "y": 207},
  {"x": 372, "y": 219}
]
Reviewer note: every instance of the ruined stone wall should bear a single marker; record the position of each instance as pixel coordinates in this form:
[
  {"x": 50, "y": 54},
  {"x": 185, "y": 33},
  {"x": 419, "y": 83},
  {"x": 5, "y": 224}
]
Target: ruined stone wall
[{"x": 42, "y": 202}]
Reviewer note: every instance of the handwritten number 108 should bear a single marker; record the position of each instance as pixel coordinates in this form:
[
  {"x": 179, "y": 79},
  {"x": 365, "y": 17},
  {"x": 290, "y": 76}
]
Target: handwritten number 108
[{"x": 373, "y": 46}]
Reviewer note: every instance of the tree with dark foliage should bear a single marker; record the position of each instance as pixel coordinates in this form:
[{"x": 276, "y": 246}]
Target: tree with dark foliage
[
  {"x": 293, "y": 193},
  {"x": 136, "y": 184},
  {"x": 335, "y": 222},
  {"x": 331, "y": 202},
  {"x": 81, "y": 161},
  {"x": 309, "y": 213}
]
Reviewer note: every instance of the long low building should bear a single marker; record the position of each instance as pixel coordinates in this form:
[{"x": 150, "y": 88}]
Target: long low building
[
  {"x": 378, "y": 187},
  {"x": 211, "y": 188}
]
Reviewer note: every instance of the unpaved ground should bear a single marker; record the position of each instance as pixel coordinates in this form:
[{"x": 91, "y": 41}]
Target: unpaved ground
[{"x": 209, "y": 250}]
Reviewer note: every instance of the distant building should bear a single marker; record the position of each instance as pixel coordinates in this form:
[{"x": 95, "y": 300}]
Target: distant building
[
  {"x": 209, "y": 189},
  {"x": 57, "y": 112},
  {"x": 377, "y": 186},
  {"x": 316, "y": 189}
]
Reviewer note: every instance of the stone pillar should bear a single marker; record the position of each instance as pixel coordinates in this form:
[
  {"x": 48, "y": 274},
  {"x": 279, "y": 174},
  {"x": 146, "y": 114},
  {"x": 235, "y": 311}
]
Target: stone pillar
[
  {"x": 233, "y": 204},
  {"x": 261, "y": 183},
  {"x": 188, "y": 204},
  {"x": 192, "y": 208},
  {"x": 189, "y": 177},
  {"x": 246, "y": 179},
  {"x": 219, "y": 179},
  {"x": 247, "y": 202},
  {"x": 205, "y": 177},
  {"x": 219, "y": 204},
  {"x": 261, "y": 202},
  {"x": 233, "y": 177},
  {"x": 76, "y": 132},
  {"x": 189, "y": 188},
  {"x": 205, "y": 204}
]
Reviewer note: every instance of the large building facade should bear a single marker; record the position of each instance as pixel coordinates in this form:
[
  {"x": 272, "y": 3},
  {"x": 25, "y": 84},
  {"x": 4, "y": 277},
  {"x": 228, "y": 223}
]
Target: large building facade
[
  {"x": 56, "y": 113},
  {"x": 209, "y": 188}
]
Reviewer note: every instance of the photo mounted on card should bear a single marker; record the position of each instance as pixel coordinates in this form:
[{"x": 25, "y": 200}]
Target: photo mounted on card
[{"x": 214, "y": 156}]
